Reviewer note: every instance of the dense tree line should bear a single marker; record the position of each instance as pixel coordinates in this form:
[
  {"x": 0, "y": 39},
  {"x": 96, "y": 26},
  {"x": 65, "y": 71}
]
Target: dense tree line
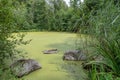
[
  {"x": 51, "y": 15},
  {"x": 56, "y": 15}
]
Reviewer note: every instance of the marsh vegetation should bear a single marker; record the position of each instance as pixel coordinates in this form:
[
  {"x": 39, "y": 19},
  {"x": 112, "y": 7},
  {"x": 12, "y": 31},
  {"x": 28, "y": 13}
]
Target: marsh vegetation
[{"x": 28, "y": 27}]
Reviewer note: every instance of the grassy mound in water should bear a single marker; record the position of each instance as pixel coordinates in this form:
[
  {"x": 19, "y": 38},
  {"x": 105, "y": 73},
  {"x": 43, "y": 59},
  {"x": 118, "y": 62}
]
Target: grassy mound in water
[{"x": 53, "y": 67}]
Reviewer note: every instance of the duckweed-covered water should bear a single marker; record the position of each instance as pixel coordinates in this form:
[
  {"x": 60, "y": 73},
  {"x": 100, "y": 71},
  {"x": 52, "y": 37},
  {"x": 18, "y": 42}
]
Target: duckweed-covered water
[{"x": 53, "y": 67}]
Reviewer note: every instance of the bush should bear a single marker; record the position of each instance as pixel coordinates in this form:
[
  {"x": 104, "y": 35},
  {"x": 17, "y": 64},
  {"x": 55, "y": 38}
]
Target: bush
[{"x": 8, "y": 40}]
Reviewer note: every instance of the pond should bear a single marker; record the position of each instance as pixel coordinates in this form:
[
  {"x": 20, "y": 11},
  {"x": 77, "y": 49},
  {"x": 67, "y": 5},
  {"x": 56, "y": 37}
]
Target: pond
[{"x": 53, "y": 67}]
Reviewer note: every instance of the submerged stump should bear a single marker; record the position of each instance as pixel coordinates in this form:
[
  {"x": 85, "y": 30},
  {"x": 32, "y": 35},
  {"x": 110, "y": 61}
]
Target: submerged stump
[{"x": 51, "y": 51}]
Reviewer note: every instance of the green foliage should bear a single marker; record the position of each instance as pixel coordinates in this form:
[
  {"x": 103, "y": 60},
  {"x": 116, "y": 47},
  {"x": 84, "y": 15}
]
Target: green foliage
[
  {"x": 40, "y": 14},
  {"x": 8, "y": 41},
  {"x": 6, "y": 28},
  {"x": 110, "y": 51},
  {"x": 102, "y": 23},
  {"x": 50, "y": 15}
]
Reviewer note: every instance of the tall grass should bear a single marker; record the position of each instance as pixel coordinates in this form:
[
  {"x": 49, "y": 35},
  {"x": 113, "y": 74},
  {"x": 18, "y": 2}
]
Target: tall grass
[{"x": 104, "y": 27}]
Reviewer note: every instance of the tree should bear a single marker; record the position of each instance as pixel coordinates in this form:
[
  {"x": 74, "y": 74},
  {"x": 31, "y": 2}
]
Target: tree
[
  {"x": 40, "y": 14},
  {"x": 8, "y": 40}
]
